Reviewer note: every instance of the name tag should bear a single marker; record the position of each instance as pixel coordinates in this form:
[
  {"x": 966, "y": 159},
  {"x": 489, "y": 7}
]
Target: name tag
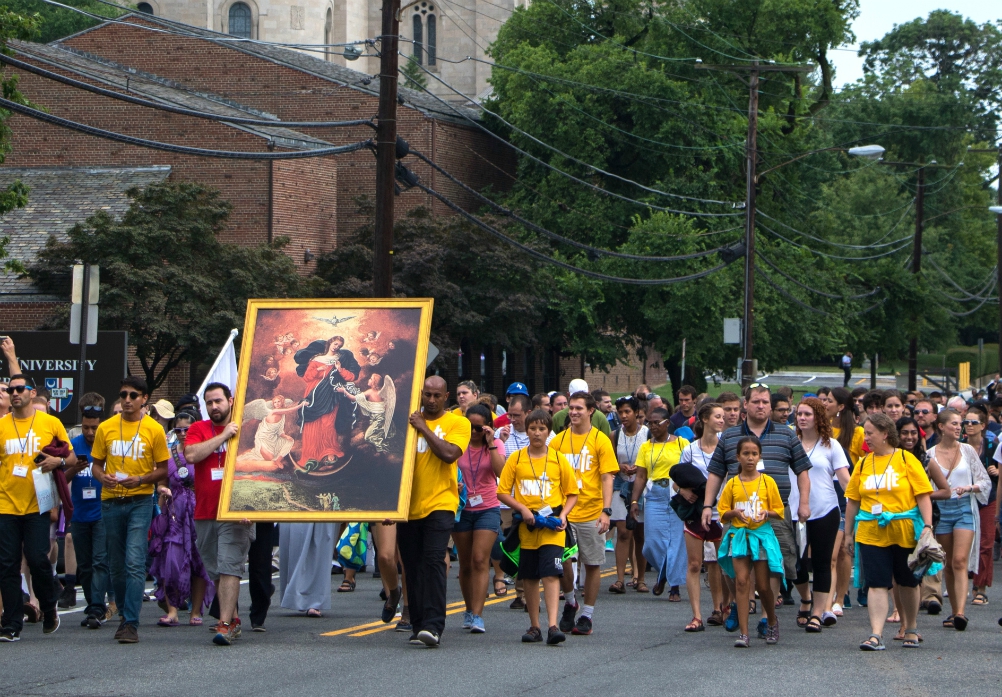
[
  {"x": 20, "y": 471},
  {"x": 119, "y": 476},
  {"x": 217, "y": 474},
  {"x": 477, "y": 500},
  {"x": 545, "y": 510},
  {"x": 877, "y": 508},
  {"x": 580, "y": 485},
  {"x": 89, "y": 493}
]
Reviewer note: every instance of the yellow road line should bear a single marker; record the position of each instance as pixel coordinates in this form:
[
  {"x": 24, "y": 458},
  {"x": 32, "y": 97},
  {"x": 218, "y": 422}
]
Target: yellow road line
[{"x": 451, "y": 609}]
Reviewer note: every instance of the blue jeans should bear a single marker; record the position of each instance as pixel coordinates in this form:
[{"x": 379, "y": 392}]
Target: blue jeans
[
  {"x": 28, "y": 535},
  {"x": 127, "y": 525},
  {"x": 90, "y": 543}
]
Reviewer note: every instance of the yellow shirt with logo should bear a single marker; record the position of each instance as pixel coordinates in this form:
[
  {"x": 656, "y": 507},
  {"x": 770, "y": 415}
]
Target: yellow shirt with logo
[
  {"x": 435, "y": 486},
  {"x": 591, "y": 456},
  {"x": 535, "y": 483},
  {"x": 129, "y": 449},
  {"x": 659, "y": 458},
  {"x": 755, "y": 498},
  {"x": 21, "y": 441},
  {"x": 890, "y": 482}
]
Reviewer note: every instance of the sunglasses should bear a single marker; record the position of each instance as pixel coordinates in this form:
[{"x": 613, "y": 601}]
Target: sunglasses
[
  {"x": 181, "y": 429},
  {"x": 756, "y": 385},
  {"x": 93, "y": 411},
  {"x": 973, "y": 422},
  {"x": 923, "y": 411},
  {"x": 124, "y": 394},
  {"x": 18, "y": 389},
  {"x": 662, "y": 422},
  {"x": 623, "y": 400},
  {"x": 478, "y": 429}
]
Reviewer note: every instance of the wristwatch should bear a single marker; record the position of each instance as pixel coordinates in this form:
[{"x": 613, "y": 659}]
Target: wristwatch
[{"x": 607, "y": 511}]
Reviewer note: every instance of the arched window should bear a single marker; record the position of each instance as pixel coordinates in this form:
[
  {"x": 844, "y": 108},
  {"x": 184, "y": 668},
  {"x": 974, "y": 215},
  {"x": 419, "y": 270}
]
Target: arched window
[
  {"x": 145, "y": 8},
  {"x": 240, "y": 20},
  {"x": 425, "y": 30},
  {"x": 418, "y": 28},
  {"x": 329, "y": 34}
]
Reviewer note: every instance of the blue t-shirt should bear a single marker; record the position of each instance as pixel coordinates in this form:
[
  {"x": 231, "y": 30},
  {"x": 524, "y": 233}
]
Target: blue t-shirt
[{"x": 85, "y": 490}]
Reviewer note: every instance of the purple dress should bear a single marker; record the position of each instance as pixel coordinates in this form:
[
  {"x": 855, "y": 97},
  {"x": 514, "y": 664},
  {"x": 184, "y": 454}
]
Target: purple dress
[{"x": 172, "y": 538}]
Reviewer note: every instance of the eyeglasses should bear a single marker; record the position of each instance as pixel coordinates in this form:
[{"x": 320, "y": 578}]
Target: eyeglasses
[
  {"x": 181, "y": 429},
  {"x": 124, "y": 394},
  {"x": 662, "y": 422},
  {"x": 18, "y": 389},
  {"x": 970, "y": 422},
  {"x": 923, "y": 411}
]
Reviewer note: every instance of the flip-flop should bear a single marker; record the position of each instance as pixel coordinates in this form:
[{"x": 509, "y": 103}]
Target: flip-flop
[
  {"x": 167, "y": 621},
  {"x": 959, "y": 622},
  {"x": 195, "y": 621},
  {"x": 313, "y": 612}
]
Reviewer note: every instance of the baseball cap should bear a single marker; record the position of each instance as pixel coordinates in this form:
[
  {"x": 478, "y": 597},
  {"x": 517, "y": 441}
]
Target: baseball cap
[
  {"x": 165, "y": 409},
  {"x": 518, "y": 388},
  {"x": 577, "y": 385}
]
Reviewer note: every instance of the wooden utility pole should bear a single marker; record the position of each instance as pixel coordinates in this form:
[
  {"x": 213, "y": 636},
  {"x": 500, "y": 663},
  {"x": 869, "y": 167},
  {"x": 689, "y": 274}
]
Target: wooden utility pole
[
  {"x": 754, "y": 68},
  {"x": 916, "y": 269},
  {"x": 386, "y": 145}
]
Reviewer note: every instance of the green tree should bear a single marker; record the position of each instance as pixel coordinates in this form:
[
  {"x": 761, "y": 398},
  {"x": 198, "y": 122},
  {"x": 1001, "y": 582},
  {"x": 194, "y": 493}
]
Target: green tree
[
  {"x": 414, "y": 77},
  {"x": 58, "y": 22},
  {"x": 166, "y": 278}
]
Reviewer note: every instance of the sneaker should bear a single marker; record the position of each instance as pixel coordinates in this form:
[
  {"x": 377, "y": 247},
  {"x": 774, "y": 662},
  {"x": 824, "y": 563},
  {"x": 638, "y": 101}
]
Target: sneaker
[
  {"x": 763, "y": 628},
  {"x": 111, "y": 610},
  {"x": 225, "y": 634},
  {"x": 532, "y": 636},
  {"x": 68, "y": 598},
  {"x": 860, "y": 597},
  {"x": 7, "y": 634},
  {"x": 51, "y": 622},
  {"x": 610, "y": 546},
  {"x": 130, "y": 635},
  {"x": 404, "y": 625},
  {"x": 414, "y": 640},
  {"x": 845, "y": 601},
  {"x": 934, "y": 608},
  {"x": 772, "y": 633},
  {"x": 390, "y": 606},
  {"x": 741, "y": 642},
  {"x": 429, "y": 638},
  {"x": 731, "y": 623},
  {"x": 477, "y": 625},
  {"x": 837, "y": 610},
  {"x": 582, "y": 627},
  {"x": 829, "y": 619},
  {"x": 567, "y": 617},
  {"x": 258, "y": 628},
  {"x": 467, "y": 619},
  {"x": 554, "y": 636},
  {"x": 517, "y": 604},
  {"x": 119, "y": 631}
]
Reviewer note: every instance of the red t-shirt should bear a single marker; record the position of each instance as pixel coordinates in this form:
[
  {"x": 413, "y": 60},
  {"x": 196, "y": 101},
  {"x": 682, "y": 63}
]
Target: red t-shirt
[{"x": 206, "y": 487}]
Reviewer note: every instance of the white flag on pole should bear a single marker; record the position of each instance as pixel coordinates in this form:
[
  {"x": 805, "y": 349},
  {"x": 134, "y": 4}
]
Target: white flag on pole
[{"x": 224, "y": 370}]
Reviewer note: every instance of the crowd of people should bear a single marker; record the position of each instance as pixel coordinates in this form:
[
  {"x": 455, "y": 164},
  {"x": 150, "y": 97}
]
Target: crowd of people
[{"x": 894, "y": 494}]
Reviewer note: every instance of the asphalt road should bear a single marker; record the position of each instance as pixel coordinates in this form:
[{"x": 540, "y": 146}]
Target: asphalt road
[
  {"x": 807, "y": 380},
  {"x": 638, "y": 648}
]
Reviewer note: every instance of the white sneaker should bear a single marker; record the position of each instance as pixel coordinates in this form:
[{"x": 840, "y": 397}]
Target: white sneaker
[{"x": 837, "y": 609}]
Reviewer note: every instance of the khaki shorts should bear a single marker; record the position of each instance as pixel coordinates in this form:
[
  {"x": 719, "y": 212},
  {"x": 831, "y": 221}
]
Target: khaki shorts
[
  {"x": 787, "y": 544},
  {"x": 591, "y": 543},
  {"x": 223, "y": 546}
]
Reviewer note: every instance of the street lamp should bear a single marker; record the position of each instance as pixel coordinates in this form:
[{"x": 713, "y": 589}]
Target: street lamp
[{"x": 870, "y": 152}]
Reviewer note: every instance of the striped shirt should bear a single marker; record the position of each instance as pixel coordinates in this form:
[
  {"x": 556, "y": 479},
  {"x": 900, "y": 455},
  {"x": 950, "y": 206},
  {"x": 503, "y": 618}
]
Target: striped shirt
[{"x": 781, "y": 452}]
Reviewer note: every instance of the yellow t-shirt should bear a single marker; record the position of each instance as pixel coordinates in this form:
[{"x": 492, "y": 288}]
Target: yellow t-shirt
[
  {"x": 659, "y": 458},
  {"x": 754, "y": 498},
  {"x": 856, "y": 448},
  {"x": 538, "y": 482},
  {"x": 591, "y": 456},
  {"x": 129, "y": 449},
  {"x": 436, "y": 484},
  {"x": 891, "y": 482},
  {"x": 21, "y": 441}
]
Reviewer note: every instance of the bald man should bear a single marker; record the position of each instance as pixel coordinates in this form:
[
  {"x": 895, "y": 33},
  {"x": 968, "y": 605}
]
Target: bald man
[{"x": 424, "y": 538}]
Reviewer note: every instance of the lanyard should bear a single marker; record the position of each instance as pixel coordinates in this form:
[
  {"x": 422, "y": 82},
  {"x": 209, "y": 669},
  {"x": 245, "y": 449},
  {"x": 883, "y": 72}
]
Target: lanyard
[
  {"x": 758, "y": 487},
  {"x": 539, "y": 480},
  {"x": 475, "y": 470},
  {"x": 219, "y": 455},
  {"x": 577, "y": 454},
  {"x": 654, "y": 459},
  {"x": 879, "y": 481},
  {"x": 132, "y": 446},
  {"x": 631, "y": 456},
  {"x": 22, "y": 444}
]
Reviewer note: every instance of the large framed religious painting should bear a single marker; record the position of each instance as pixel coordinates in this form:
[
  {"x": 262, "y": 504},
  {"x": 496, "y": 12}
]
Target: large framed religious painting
[{"x": 323, "y": 398}]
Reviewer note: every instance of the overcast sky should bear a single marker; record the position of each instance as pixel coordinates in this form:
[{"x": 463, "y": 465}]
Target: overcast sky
[{"x": 877, "y": 17}]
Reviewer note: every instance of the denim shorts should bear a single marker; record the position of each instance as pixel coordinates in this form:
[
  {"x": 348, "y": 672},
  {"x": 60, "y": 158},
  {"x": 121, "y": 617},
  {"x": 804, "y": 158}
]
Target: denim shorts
[
  {"x": 486, "y": 519},
  {"x": 955, "y": 514}
]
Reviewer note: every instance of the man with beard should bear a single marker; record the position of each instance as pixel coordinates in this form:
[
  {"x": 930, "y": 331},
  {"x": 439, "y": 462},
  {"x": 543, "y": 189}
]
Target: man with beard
[{"x": 222, "y": 546}]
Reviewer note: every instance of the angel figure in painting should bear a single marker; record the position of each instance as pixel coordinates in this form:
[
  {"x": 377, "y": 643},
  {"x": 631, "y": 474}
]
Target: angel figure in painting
[
  {"x": 270, "y": 440},
  {"x": 378, "y": 404}
]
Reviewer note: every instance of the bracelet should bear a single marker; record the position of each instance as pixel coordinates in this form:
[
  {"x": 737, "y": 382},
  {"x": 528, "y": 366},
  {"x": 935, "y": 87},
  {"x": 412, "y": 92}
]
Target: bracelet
[
  {"x": 494, "y": 448},
  {"x": 708, "y": 506},
  {"x": 633, "y": 502},
  {"x": 140, "y": 479}
]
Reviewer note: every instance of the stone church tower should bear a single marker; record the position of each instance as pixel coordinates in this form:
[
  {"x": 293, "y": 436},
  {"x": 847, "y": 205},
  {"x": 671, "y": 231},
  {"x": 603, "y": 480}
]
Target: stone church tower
[{"x": 438, "y": 33}]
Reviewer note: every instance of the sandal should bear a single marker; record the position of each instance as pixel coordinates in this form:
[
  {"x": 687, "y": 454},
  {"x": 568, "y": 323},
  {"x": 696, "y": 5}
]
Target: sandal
[
  {"x": 632, "y": 583},
  {"x": 900, "y": 636},
  {"x": 803, "y": 616},
  {"x": 980, "y": 599},
  {"x": 32, "y": 613},
  {"x": 948, "y": 622},
  {"x": 911, "y": 643},
  {"x": 642, "y": 587},
  {"x": 346, "y": 586},
  {"x": 695, "y": 625},
  {"x": 313, "y": 612},
  {"x": 168, "y": 621},
  {"x": 500, "y": 592},
  {"x": 194, "y": 621},
  {"x": 659, "y": 587},
  {"x": 959, "y": 622},
  {"x": 895, "y": 618},
  {"x": 617, "y": 588},
  {"x": 813, "y": 625},
  {"x": 674, "y": 596},
  {"x": 716, "y": 619},
  {"x": 752, "y": 607},
  {"x": 872, "y": 643}
]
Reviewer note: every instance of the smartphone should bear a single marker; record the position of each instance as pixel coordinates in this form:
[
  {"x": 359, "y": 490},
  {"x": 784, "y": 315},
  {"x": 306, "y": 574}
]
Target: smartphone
[{"x": 40, "y": 458}]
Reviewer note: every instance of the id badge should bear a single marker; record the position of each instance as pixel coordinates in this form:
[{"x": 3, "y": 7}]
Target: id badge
[
  {"x": 217, "y": 474},
  {"x": 477, "y": 500},
  {"x": 20, "y": 471},
  {"x": 89, "y": 492},
  {"x": 877, "y": 508},
  {"x": 119, "y": 476},
  {"x": 580, "y": 485},
  {"x": 545, "y": 511}
]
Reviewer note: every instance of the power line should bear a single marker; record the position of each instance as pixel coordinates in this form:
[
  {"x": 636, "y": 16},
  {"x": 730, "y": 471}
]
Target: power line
[
  {"x": 554, "y": 236},
  {"x": 790, "y": 296},
  {"x": 182, "y": 149},
  {"x": 835, "y": 244},
  {"x": 557, "y": 262},
  {"x": 167, "y": 107},
  {"x": 782, "y": 273},
  {"x": 833, "y": 256}
]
